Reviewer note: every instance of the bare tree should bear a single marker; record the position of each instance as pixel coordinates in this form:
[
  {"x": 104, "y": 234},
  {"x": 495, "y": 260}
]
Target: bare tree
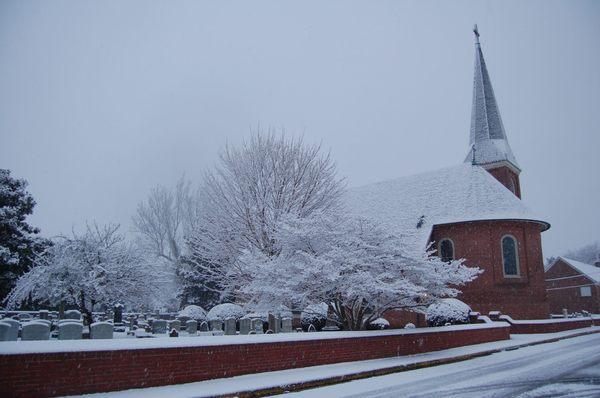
[
  {"x": 164, "y": 219},
  {"x": 249, "y": 191}
]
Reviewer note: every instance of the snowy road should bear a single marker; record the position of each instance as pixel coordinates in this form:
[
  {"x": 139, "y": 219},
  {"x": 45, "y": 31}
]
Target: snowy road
[{"x": 568, "y": 368}]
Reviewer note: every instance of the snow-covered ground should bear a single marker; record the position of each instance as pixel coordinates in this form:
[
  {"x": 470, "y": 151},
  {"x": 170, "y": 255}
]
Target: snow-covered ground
[
  {"x": 367, "y": 386},
  {"x": 568, "y": 368}
]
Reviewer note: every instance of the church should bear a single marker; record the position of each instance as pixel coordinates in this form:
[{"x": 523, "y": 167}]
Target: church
[{"x": 472, "y": 211}]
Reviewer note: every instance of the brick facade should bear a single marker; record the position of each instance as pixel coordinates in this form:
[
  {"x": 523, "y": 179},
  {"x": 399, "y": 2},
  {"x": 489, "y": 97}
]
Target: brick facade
[
  {"x": 66, "y": 373},
  {"x": 479, "y": 242},
  {"x": 564, "y": 290},
  {"x": 508, "y": 178}
]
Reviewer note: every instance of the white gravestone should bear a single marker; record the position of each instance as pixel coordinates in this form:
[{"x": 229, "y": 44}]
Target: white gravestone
[
  {"x": 35, "y": 331},
  {"x": 216, "y": 325},
  {"x": 286, "y": 325},
  {"x": 14, "y": 329},
  {"x": 245, "y": 325},
  {"x": 70, "y": 331},
  {"x": 159, "y": 326},
  {"x": 8, "y": 332},
  {"x": 257, "y": 326},
  {"x": 72, "y": 314},
  {"x": 191, "y": 326},
  {"x": 230, "y": 326},
  {"x": 101, "y": 330}
]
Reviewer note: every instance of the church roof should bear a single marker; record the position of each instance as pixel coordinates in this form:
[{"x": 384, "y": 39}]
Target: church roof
[
  {"x": 591, "y": 271},
  {"x": 488, "y": 138},
  {"x": 413, "y": 205}
]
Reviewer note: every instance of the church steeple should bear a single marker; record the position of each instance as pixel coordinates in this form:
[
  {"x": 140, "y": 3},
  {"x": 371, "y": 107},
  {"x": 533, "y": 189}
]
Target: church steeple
[{"x": 488, "y": 144}]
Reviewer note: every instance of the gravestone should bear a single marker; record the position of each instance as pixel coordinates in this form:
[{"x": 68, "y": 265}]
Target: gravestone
[
  {"x": 191, "y": 327},
  {"x": 35, "y": 331},
  {"x": 215, "y": 324},
  {"x": 296, "y": 318},
  {"x": 203, "y": 326},
  {"x": 286, "y": 325},
  {"x": 245, "y": 325},
  {"x": 47, "y": 322},
  {"x": 176, "y": 324},
  {"x": 24, "y": 316},
  {"x": 257, "y": 326},
  {"x": 159, "y": 326},
  {"x": 70, "y": 331},
  {"x": 44, "y": 314},
  {"x": 311, "y": 328},
  {"x": 8, "y": 332},
  {"x": 173, "y": 333},
  {"x": 101, "y": 330},
  {"x": 274, "y": 323},
  {"x": 118, "y": 314},
  {"x": 72, "y": 314},
  {"x": 230, "y": 327}
]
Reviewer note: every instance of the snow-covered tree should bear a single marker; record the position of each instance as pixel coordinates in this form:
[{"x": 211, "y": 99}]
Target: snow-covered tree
[
  {"x": 97, "y": 267},
  {"x": 162, "y": 222},
  {"x": 18, "y": 240},
  {"x": 588, "y": 254},
  {"x": 248, "y": 193},
  {"x": 360, "y": 269}
]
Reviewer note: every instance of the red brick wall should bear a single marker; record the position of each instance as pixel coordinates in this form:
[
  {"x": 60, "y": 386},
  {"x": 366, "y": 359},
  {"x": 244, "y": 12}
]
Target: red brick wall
[
  {"x": 51, "y": 374},
  {"x": 557, "y": 326},
  {"x": 479, "y": 242},
  {"x": 507, "y": 177},
  {"x": 565, "y": 293}
]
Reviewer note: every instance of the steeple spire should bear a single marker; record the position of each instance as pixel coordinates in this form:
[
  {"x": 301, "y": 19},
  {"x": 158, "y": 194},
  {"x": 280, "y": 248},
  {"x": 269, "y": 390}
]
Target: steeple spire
[{"x": 488, "y": 143}]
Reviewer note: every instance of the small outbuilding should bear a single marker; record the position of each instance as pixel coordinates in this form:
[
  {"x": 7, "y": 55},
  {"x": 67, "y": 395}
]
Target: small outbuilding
[{"x": 573, "y": 285}]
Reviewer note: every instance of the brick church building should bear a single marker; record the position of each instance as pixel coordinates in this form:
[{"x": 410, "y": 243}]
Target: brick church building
[{"x": 472, "y": 211}]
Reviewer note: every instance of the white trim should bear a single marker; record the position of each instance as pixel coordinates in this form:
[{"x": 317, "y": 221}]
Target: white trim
[
  {"x": 567, "y": 277},
  {"x": 501, "y": 163},
  {"x": 566, "y": 287},
  {"x": 518, "y": 274}
]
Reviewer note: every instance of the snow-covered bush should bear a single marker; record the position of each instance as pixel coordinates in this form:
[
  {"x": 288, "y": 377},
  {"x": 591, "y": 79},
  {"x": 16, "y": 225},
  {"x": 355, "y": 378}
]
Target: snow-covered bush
[
  {"x": 409, "y": 326},
  {"x": 194, "y": 312},
  {"x": 379, "y": 324},
  {"x": 225, "y": 311},
  {"x": 314, "y": 314},
  {"x": 448, "y": 310},
  {"x": 282, "y": 312}
]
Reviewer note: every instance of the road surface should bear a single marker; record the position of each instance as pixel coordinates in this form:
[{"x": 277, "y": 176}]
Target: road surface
[{"x": 568, "y": 368}]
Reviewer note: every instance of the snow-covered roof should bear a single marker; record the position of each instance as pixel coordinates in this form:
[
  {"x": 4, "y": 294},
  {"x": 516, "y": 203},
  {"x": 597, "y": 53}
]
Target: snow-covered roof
[
  {"x": 413, "y": 205},
  {"x": 488, "y": 138},
  {"x": 589, "y": 270}
]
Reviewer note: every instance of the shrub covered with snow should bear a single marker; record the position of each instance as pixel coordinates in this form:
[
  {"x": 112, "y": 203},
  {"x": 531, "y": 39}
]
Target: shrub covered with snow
[
  {"x": 378, "y": 324},
  {"x": 314, "y": 314},
  {"x": 282, "y": 312},
  {"x": 225, "y": 311},
  {"x": 448, "y": 310},
  {"x": 194, "y": 312}
]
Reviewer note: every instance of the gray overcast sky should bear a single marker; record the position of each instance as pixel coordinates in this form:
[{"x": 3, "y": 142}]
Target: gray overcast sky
[{"x": 99, "y": 100}]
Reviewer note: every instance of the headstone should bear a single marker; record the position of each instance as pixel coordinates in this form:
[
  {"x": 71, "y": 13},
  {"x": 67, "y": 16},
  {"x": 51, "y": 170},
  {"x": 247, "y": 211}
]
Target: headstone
[
  {"x": 565, "y": 313},
  {"x": 72, "y": 314},
  {"x": 35, "y": 331},
  {"x": 215, "y": 324},
  {"x": 44, "y": 314},
  {"x": 8, "y": 331},
  {"x": 101, "y": 330},
  {"x": 203, "y": 326},
  {"x": 118, "y": 313},
  {"x": 191, "y": 327},
  {"x": 47, "y": 322},
  {"x": 296, "y": 318},
  {"x": 131, "y": 322},
  {"x": 286, "y": 325},
  {"x": 274, "y": 323},
  {"x": 176, "y": 324},
  {"x": 230, "y": 326},
  {"x": 24, "y": 316},
  {"x": 70, "y": 331},
  {"x": 173, "y": 333},
  {"x": 245, "y": 325},
  {"x": 257, "y": 326},
  {"x": 311, "y": 328},
  {"x": 159, "y": 326}
]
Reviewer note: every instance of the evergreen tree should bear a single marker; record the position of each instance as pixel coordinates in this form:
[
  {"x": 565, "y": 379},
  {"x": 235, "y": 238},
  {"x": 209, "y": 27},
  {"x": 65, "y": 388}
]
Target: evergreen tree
[{"x": 18, "y": 240}]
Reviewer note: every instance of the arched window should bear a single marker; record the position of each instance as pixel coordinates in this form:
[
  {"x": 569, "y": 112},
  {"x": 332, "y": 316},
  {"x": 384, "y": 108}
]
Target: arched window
[
  {"x": 510, "y": 256},
  {"x": 446, "y": 250}
]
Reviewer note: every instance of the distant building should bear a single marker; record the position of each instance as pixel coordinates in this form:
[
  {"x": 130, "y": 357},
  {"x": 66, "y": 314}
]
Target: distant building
[
  {"x": 472, "y": 211},
  {"x": 573, "y": 286}
]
